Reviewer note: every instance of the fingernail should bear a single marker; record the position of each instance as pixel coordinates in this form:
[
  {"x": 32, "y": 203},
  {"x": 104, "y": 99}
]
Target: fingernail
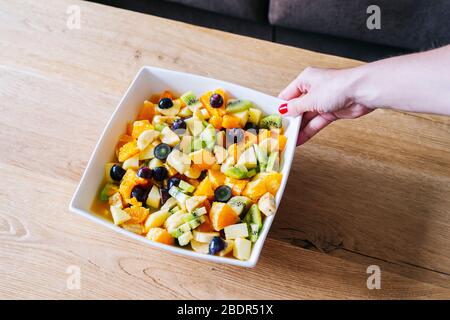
[{"x": 283, "y": 108}]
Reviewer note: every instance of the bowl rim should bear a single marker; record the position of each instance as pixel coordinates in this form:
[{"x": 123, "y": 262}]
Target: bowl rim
[{"x": 257, "y": 247}]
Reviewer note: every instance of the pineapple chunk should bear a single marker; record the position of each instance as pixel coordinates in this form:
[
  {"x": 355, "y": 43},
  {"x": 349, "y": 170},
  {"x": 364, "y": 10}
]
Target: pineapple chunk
[
  {"x": 133, "y": 227},
  {"x": 220, "y": 153},
  {"x": 229, "y": 247},
  {"x": 242, "y": 249},
  {"x": 131, "y": 163},
  {"x": 119, "y": 216},
  {"x": 169, "y": 137},
  {"x": 179, "y": 161},
  {"x": 205, "y": 236},
  {"x": 234, "y": 231},
  {"x": 156, "y": 219},
  {"x": 154, "y": 198},
  {"x": 200, "y": 247}
]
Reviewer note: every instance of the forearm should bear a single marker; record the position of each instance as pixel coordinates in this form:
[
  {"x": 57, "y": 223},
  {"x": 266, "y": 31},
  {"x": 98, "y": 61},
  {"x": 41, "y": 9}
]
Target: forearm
[{"x": 417, "y": 82}]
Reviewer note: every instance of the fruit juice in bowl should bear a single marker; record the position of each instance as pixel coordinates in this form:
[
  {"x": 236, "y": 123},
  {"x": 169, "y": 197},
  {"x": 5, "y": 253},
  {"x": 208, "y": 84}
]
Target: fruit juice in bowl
[{"x": 198, "y": 171}]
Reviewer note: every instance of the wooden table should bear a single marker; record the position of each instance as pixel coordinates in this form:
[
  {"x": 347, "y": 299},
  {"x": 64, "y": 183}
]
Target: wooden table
[{"x": 373, "y": 191}]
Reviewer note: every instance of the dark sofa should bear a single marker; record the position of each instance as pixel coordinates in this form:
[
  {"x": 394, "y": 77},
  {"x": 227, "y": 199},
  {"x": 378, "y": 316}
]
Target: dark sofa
[{"x": 330, "y": 26}]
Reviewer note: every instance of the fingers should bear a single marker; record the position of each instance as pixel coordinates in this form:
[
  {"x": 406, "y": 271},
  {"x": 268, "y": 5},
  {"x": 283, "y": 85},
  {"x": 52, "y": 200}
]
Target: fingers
[
  {"x": 313, "y": 127},
  {"x": 291, "y": 91},
  {"x": 300, "y": 85},
  {"x": 296, "y": 107}
]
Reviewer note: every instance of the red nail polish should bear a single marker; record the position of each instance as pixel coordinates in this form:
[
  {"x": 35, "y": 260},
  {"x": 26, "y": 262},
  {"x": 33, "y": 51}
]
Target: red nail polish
[{"x": 283, "y": 108}]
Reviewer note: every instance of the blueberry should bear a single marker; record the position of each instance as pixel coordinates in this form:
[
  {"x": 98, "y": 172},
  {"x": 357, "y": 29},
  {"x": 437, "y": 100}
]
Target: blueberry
[
  {"x": 178, "y": 124},
  {"x": 253, "y": 128},
  {"x": 216, "y": 100},
  {"x": 145, "y": 172},
  {"x": 165, "y": 103},
  {"x": 164, "y": 195},
  {"x": 216, "y": 245},
  {"x": 234, "y": 135},
  {"x": 116, "y": 172},
  {"x": 161, "y": 151},
  {"x": 160, "y": 173},
  {"x": 140, "y": 193},
  {"x": 222, "y": 194},
  {"x": 174, "y": 181}
]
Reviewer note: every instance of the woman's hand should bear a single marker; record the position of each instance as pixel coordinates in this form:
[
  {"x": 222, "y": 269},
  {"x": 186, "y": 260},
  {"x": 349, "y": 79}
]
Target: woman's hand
[
  {"x": 322, "y": 96},
  {"x": 416, "y": 83}
]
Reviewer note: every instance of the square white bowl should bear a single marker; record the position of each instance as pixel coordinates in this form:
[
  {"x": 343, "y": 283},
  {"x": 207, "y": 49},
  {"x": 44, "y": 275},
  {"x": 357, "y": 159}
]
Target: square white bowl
[{"x": 150, "y": 80}]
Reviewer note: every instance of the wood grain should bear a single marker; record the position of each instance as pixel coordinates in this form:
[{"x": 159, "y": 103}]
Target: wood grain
[{"x": 369, "y": 191}]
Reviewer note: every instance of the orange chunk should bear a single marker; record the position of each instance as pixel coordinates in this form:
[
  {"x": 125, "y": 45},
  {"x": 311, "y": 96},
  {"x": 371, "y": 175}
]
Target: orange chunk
[
  {"x": 204, "y": 99},
  {"x": 129, "y": 180},
  {"x": 123, "y": 139},
  {"x": 282, "y": 140},
  {"x": 206, "y": 226},
  {"x": 273, "y": 182},
  {"x": 138, "y": 214},
  {"x": 222, "y": 215},
  {"x": 160, "y": 235},
  {"x": 255, "y": 188},
  {"x": 237, "y": 186},
  {"x": 166, "y": 94},
  {"x": 147, "y": 111},
  {"x": 216, "y": 177},
  {"x": 230, "y": 122},
  {"x": 141, "y": 126},
  {"x": 129, "y": 128},
  {"x": 205, "y": 189},
  {"x": 216, "y": 121},
  {"x": 128, "y": 150}
]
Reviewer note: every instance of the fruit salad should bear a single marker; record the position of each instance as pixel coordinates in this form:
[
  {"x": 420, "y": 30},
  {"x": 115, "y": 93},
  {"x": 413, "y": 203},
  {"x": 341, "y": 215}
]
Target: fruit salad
[{"x": 200, "y": 173}]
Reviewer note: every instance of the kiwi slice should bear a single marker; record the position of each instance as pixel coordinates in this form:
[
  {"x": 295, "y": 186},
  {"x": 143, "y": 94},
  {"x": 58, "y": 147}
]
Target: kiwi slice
[
  {"x": 271, "y": 122},
  {"x": 237, "y": 105},
  {"x": 190, "y": 99}
]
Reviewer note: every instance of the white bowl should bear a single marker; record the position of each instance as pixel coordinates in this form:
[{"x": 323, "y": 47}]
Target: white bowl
[{"x": 150, "y": 80}]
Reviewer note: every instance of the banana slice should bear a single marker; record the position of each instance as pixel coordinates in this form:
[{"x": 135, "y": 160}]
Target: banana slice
[{"x": 146, "y": 137}]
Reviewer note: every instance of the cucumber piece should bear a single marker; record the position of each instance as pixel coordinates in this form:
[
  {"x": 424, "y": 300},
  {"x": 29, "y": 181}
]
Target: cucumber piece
[
  {"x": 186, "y": 187},
  {"x": 261, "y": 156},
  {"x": 208, "y": 137},
  {"x": 185, "y": 238},
  {"x": 273, "y": 164},
  {"x": 194, "y": 223}
]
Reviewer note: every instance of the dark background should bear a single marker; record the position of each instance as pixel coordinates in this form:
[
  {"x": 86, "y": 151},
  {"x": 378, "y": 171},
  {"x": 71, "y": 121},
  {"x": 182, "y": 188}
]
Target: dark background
[{"x": 335, "y": 27}]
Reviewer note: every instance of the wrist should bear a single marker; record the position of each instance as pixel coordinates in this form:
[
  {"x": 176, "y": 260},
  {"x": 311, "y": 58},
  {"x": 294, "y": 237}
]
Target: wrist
[{"x": 360, "y": 89}]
